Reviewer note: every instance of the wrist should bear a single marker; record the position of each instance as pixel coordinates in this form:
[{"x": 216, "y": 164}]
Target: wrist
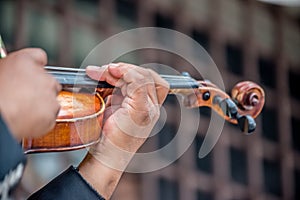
[
  {"x": 102, "y": 178},
  {"x": 110, "y": 154}
]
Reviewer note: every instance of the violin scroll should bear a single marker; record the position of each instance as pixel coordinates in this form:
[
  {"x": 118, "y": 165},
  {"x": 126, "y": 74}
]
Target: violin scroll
[
  {"x": 245, "y": 104},
  {"x": 249, "y": 97}
]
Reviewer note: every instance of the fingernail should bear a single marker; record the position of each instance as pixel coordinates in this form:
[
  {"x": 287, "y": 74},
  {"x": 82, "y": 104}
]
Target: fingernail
[
  {"x": 93, "y": 67},
  {"x": 113, "y": 65}
]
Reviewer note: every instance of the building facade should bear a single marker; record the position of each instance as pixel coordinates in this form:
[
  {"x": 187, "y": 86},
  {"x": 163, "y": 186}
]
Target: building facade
[{"x": 247, "y": 39}]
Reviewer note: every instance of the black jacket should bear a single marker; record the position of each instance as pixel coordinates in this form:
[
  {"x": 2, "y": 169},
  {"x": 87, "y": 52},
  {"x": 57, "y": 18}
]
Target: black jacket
[{"x": 68, "y": 185}]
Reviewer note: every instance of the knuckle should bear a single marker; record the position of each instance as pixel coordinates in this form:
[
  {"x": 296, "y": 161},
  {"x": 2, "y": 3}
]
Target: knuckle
[
  {"x": 40, "y": 52},
  {"x": 141, "y": 82},
  {"x": 127, "y": 65},
  {"x": 39, "y": 55},
  {"x": 35, "y": 55},
  {"x": 148, "y": 76},
  {"x": 145, "y": 117},
  {"x": 136, "y": 88},
  {"x": 150, "y": 115},
  {"x": 149, "y": 72}
]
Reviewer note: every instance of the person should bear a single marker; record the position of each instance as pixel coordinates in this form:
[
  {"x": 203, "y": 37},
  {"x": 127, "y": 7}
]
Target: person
[{"x": 28, "y": 108}]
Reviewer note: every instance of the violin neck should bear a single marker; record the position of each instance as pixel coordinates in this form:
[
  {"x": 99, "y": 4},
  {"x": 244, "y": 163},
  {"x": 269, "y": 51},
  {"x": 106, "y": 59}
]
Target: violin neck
[{"x": 73, "y": 77}]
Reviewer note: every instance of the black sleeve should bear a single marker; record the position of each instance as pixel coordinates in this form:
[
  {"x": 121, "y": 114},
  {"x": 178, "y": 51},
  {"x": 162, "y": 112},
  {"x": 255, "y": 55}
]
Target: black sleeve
[
  {"x": 68, "y": 185},
  {"x": 12, "y": 161}
]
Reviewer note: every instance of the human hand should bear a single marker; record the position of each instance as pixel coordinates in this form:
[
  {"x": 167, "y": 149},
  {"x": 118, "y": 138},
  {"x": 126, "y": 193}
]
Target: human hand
[
  {"x": 134, "y": 108},
  {"x": 28, "y": 101},
  {"x": 129, "y": 117}
]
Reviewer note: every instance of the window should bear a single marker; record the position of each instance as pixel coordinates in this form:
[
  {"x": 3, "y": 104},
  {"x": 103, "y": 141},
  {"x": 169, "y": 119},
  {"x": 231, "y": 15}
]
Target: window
[
  {"x": 267, "y": 71},
  {"x": 168, "y": 189},
  {"x": 270, "y": 124},
  {"x": 203, "y": 164},
  {"x": 204, "y": 195},
  {"x": 127, "y": 9},
  {"x": 163, "y": 37},
  {"x": 164, "y": 21},
  {"x": 297, "y": 184},
  {"x": 234, "y": 59},
  {"x": 294, "y": 82},
  {"x": 272, "y": 177},
  {"x": 238, "y": 166},
  {"x": 295, "y": 133},
  {"x": 201, "y": 38}
]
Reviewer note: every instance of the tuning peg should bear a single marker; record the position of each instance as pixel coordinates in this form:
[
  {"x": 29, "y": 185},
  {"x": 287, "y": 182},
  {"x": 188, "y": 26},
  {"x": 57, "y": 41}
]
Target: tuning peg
[
  {"x": 246, "y": 123},
  {"x": 228, "y": 106}
]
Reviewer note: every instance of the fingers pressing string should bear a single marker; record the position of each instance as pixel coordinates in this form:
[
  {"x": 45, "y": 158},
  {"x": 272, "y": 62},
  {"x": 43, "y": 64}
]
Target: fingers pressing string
[{"x": 116, "y": 73}]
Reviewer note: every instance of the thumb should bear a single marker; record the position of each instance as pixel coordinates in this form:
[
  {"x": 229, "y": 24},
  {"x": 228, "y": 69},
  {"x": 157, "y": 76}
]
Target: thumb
[{"x": 38, "y": 55}]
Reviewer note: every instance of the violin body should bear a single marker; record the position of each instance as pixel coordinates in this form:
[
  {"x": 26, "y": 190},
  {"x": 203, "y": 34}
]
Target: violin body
[{"x": 78, "y": 124}]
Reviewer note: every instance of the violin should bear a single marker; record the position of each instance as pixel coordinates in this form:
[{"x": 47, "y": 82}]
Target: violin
[{"x": 79, "y": 120}]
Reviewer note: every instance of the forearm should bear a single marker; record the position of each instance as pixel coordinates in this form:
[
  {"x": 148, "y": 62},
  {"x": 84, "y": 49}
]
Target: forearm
[{"x": 105, "y": 163}]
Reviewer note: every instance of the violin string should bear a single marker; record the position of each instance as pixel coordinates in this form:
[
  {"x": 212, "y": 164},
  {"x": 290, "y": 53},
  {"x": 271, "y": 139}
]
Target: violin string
[{"x": 76, "y": 76}]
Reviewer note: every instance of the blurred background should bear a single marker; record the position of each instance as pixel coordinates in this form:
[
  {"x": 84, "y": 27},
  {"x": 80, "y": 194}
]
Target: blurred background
[{"x": 247, "y": 39}]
